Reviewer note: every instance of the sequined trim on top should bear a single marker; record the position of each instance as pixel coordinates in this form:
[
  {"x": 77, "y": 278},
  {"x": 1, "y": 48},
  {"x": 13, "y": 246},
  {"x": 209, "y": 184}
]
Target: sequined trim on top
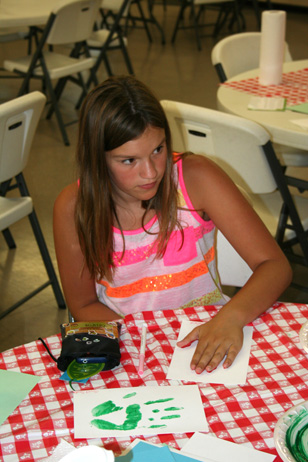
[{"x": 157, "y": 283}]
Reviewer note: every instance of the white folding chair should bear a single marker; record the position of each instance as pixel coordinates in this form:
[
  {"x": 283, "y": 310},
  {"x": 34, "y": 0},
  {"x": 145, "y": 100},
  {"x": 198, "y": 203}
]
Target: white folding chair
[
  {"x": 239, "y": 53},
  {"x": 232, "y": 269},
  {"x": 243, "y": 149},
  {"x": 18, "y": 122},
  {"x": 9, "y": 34},
  {"x": 111, "y": 36},
  {"x": 198, "y": 7},
  {"x": 138, "y": 16},
  {"x": 71, "y": 22}
]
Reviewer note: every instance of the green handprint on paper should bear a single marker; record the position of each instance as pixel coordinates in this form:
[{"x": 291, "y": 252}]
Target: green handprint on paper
[{"x": 133, "y": 414}]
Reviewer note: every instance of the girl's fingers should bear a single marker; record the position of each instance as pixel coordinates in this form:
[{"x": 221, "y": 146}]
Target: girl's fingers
[{"x": 189, "y": 339}]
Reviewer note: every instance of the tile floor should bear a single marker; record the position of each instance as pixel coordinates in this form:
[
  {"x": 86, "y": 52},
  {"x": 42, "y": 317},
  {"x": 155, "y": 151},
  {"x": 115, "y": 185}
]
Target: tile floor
[{"x": 178, "y": 72}]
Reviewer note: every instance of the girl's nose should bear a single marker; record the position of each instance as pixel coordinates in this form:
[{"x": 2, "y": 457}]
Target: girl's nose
[{"x": 148, "y": 170}]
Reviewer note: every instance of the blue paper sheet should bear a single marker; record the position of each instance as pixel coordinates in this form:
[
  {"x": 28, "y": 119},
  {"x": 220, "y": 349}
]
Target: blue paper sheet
[{"x": 150, "y": 453}]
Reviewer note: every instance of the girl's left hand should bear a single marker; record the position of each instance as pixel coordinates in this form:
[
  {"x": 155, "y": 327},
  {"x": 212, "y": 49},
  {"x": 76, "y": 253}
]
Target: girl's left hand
[{"x": 216, "y": 339}]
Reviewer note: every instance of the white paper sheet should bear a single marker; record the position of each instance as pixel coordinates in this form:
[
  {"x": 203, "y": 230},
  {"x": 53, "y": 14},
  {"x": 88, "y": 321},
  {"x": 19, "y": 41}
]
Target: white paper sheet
[
  {"x": 138, "y": 411},
  {"x": 236, "y": 374},
  {"x": 212, "y": 449},
  {"x": 267, "y": 103}
]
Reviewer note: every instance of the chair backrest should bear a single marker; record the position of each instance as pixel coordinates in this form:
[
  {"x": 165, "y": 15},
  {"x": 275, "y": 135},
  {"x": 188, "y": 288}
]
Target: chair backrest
[
  {"x": 232, "y": 269},
  {"x": 239, "y": 53},
  {"x": 236, "y": 144},
  {"x": 72, "y": 21},
  {"x": 115, "y": 6},
  {"x": 18, "y": 121}
]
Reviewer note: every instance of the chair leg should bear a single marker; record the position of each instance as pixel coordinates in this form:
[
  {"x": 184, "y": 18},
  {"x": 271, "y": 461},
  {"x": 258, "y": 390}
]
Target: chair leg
[
  {"x": 282, "y": 223},
  {"x": 53, "y": 280},
  {"x": 255, "y": 4},
  {"x": 9, "y": 238},
  {"x": 143, "y": 19},
  {"x": 127, "y": 58},
  {"x": 154, "y": 21},
  {"x": 58, "y": 92},
  {"x": 92, "y": 78},
  {"x": 179, "y": 19},
  {"x": 107, "y": 64},
  {"x": 5, "y": 186},
  {"x": 55, "y": 107},
  {"x": 195, "y": 21},
  {"x": 47, "y": 260},
  {"x": 301, "y": 235}
]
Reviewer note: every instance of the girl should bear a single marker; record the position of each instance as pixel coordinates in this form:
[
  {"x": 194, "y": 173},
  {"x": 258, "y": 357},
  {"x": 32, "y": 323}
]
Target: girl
[{"x": 136, "y": 232}]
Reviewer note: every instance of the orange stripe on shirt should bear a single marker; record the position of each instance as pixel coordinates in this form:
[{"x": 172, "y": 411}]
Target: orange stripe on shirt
[{"x": 164, "y": 282}]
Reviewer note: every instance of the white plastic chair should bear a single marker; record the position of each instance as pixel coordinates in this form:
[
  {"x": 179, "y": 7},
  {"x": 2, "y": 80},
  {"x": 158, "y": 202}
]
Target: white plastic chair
[
  {"x": 240, "y": 53},
  {"x": 138, "y": 16},
  {"x": 12, "y": 35},
  {"x": 232, "y": 269},
  {"x": 243, "y": 149},
  {"x": 197, "y": 7},
  {"x": 110, "y": 37},
  {"x": 18, "y": 122},
  {"x": 71, "y": 22}
]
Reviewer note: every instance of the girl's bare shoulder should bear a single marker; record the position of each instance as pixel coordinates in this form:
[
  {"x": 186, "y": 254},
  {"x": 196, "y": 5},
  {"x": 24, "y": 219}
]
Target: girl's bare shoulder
[
  {"x": 66, "y": 200},
  {"x": 198, "y": 168},
  {"x": 201, "y": 175}
]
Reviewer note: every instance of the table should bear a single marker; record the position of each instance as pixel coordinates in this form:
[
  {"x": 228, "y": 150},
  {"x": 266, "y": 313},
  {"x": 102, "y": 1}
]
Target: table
[
  {"x": 17, "y": 13},
  {"x": 277, "y": 380},
  {"x": 233, "y": 97}
]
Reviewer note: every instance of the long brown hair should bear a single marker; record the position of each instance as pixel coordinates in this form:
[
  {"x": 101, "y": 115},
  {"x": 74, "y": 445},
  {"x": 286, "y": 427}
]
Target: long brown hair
[{"x": 116, "y": 111}]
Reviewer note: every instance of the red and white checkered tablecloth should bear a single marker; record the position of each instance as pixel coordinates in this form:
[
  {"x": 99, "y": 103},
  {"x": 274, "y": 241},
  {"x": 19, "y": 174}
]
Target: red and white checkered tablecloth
[
  {"x": 277, "y": 380},
  {"x": 294, "y": 87}
]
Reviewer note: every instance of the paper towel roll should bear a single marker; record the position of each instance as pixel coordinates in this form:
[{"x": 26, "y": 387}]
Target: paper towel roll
[{"x": 272, "y": 47}]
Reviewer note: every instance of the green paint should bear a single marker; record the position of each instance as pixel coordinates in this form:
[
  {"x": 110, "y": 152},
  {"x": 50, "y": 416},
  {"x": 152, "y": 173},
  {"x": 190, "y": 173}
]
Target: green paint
[
  {"x": 133, "y": 414},
  {"x": 297, "y": 436},
  {"x": 157, "y": 426},
  {"x": 105, "y": 408},
  {"x": 173, "y": 408},
  {"x": 129, "y": 395},
  {"x": 159, "y": 401},
  {"x": 133, "y": 417}
]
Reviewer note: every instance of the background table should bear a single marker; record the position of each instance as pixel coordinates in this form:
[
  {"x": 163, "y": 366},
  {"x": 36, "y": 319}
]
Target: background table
[
  {"x": 21, "y": 13},
  {"x": 277, "y": 380},
  {"x": 234, "y": 95}
]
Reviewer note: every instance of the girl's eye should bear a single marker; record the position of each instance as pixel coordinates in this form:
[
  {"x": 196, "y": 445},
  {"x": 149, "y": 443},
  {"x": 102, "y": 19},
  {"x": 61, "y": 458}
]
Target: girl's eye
[
  {"x": 158, "y": 149},
  {"x": 128, "y": 161}
]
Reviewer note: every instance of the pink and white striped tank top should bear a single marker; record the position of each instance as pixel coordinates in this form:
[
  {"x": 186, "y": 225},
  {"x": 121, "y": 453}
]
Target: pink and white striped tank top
[{"x": 185, "y": 276}]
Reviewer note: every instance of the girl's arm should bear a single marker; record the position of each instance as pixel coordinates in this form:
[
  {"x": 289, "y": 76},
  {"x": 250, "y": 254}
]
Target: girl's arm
[
  {"x": 78, "y": 286},
  {"x": 212, "y": 192}
]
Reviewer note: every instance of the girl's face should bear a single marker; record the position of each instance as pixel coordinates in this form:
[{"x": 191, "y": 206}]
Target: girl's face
[{"x": 137, "y": 167}]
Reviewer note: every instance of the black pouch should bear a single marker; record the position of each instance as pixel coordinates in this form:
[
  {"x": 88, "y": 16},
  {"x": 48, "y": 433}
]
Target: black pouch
[
  {"x": 90, "y": 342},
  {"x": 86, "y": 342}
]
